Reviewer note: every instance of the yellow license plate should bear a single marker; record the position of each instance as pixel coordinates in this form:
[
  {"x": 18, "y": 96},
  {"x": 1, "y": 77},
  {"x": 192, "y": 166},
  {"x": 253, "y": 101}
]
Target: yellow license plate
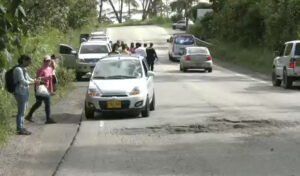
[{"x": 114, "y": 104}]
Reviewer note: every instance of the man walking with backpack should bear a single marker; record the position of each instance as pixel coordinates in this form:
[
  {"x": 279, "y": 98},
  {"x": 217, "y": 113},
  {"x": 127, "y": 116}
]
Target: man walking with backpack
[{"x": 19, "y": 86}]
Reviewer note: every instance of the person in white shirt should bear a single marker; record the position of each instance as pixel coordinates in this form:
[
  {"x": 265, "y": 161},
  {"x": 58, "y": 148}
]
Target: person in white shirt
[{"x": 141, "y": 51}]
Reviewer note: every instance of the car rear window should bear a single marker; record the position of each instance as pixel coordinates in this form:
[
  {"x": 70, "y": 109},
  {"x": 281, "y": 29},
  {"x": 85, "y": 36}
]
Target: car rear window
[
  {"x": 92, "y": 49},
  {"x": 184, "y": 40},
  {"x": 297, "y": 50},
  {"x": 198, "y": 51}
]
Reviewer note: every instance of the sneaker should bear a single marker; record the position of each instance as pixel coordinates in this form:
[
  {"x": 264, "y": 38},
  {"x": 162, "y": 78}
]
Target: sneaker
[
  {"x": 23, "y": 132},
  {"x": 50, "y": 121},
  {"x": 29, "y": 118}
]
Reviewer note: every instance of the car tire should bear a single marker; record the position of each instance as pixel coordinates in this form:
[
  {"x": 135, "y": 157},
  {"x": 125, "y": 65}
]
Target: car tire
[
  {"x": 184, "y": 69},
  {"x": 152, "y": 105},
  {"x": 180, "y": 67},
  {"x": 170, "y": 57},
  {"x": 276, "y": 82},
  {"x": 89, "y": 113},
  {"x": 146, "y": 110},
  {"x": 209, "y": 70},
  {"x": 287, "y": 81},
  {"x": 174, "y": 27},
  {"x": 78, "y": 76}
]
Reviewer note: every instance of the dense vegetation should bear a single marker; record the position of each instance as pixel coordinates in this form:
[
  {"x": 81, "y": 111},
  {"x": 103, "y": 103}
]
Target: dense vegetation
[
  {"x": 36, "y": 28},
  {"x": 248, "y": 31}
]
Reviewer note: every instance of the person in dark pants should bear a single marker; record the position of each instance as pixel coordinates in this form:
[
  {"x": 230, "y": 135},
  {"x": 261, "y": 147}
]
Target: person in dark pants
[
  {"x": 151, "y": 56},
  {"x": 45, "y": 73}
]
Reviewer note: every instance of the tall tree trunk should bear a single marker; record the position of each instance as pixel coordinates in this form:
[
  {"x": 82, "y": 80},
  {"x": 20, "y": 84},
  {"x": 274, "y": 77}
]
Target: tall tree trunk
[
  {"x": 114, "y": 9},
  {"x": 129, "y": 10},
  {"x": 121, "y": 11},
  {"x": 100, "y": 10}
]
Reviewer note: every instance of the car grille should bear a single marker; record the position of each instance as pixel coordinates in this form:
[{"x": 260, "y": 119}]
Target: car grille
[
  {"x": 125, "y": 104},
  {"x": 114, "y": 96},
  {"x": 91, "y": 60}
]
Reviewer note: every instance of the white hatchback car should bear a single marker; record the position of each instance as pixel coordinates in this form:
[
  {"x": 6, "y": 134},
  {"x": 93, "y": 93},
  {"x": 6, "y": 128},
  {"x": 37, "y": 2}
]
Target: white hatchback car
[
  {"x": 196, "y": 58},
  {"x": 120, "y": 83}
]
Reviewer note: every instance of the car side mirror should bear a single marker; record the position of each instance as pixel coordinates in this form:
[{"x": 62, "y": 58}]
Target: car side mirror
[
  {"x": 151, "y": 73},
  {"x": 74, "y": 52},
  {"x": 88, "y": 75}
]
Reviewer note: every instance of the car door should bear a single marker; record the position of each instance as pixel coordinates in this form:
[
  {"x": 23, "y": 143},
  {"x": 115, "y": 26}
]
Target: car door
[
  {"x": 284, "y": 60},
  {"x": 149, "y": 80},
  {"x": 68, "y": 56}
]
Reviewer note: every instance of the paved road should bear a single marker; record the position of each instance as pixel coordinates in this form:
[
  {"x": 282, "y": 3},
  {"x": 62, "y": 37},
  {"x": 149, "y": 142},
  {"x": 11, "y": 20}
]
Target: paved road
[{"x": 220, "y": 123}]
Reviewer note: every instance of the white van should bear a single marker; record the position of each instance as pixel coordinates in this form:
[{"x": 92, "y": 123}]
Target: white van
[{"x": 178, "y": 42}]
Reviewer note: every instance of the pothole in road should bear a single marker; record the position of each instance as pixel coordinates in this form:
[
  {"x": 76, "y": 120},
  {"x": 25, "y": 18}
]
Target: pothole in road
[{"x": 214, "y": 126}]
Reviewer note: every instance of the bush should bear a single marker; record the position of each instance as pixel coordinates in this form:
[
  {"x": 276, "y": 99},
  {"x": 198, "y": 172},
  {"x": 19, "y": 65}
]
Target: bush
[{"x": 64, "y": 76}]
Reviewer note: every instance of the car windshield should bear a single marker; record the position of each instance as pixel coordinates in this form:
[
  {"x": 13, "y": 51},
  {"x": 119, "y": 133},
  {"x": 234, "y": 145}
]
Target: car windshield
[
  {"x": 197, "y": 51},
  {"x": 184, "y": 40},
  {"x": 118, "y": 69},
  {"x": 91, "y": 49}
]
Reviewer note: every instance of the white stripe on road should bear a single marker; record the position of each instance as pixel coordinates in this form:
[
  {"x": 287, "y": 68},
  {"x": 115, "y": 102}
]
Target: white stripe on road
[{"x": 101, "y": 124}]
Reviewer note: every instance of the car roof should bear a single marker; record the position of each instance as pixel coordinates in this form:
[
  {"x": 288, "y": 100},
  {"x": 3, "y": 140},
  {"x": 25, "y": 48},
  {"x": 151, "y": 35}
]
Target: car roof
[
  {"x": 200, "y": 47},
  {"x": 182, "y": 34},
  {"x": 293, "y": 41},
  {"x": 93, "y": 42},
  {"x": 122, "y": 56}
]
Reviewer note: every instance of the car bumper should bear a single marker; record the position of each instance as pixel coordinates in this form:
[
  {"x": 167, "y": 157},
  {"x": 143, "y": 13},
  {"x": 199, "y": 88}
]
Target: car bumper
[
  {"x": 204, "y": 65},
  {"x": 85, "y": 67},
  {"x": 128, "y": 104},
  {"x": 293, "y": 72}
]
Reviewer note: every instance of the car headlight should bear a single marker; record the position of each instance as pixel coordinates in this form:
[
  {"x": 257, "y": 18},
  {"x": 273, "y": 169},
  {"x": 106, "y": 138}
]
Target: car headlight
[
  {"x": 93, "y": 93},
  {"x": 81, "y": 60},
  {"x": 135, "y": 91}
]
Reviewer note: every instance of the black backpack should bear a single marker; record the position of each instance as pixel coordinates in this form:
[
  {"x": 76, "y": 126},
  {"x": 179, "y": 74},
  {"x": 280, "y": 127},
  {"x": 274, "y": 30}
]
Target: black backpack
[{"x": 9, "y": 80}]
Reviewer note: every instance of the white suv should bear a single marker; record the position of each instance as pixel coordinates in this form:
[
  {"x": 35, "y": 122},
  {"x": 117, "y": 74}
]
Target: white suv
[{"x": 286, "y": 65}]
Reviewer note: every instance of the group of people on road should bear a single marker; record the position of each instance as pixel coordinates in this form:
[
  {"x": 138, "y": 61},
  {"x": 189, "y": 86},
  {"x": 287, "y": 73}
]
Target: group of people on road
[
  {"x": 45, "y": 77},
  {"x": 142, "y": 50}
]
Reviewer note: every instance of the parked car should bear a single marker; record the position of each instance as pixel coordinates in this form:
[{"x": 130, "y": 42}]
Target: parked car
[
  {"x": 181, "y": 24},
  {"x": 178, "y": 42},
  {"x": 286, "y": 65},
  {"x": 101, "y": 38},
  {"x": 196, "y": 58},
  {"x": 120, "y": 83},
  {"x": 88, "y": 55}
]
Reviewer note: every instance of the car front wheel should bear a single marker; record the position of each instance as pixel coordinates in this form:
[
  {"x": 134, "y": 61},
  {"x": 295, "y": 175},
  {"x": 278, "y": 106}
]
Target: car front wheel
[
  {"x": 89, "y": 113},
  {"x": 152, "y": 105},
  {"x": 276, "y": 82},
  {"x": 146, "y": 110}
]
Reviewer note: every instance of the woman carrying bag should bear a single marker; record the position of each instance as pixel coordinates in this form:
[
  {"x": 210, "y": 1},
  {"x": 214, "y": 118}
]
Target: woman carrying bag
[{"x": 44, "y": 90}]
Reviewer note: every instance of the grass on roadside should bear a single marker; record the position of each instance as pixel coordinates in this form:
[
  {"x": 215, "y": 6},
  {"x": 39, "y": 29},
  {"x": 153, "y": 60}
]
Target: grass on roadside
[
  {"x": 258, "y": 59},
  {"x": 38, "y": 45}
]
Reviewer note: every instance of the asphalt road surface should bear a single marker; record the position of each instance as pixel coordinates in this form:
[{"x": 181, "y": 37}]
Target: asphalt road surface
[{"x": 210, "y": 124}]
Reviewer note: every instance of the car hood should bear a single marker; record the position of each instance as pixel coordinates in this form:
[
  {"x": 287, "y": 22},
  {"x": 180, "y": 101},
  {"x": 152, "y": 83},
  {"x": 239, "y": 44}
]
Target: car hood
[
  {"x": 92, "y": 56},
  {"x": 117, "y": 86}
]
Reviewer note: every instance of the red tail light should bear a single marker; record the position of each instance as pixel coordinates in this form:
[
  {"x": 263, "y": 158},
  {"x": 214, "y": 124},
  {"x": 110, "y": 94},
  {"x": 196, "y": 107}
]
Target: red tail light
[
  {"x": 292, "y": 63},
  {"x": 187, "y": 58},
  {"x": 209, "y": 58}
]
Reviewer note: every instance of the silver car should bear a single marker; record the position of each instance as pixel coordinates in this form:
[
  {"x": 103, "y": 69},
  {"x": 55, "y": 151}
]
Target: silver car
[
  {"x": 286, "y": 65},
  {"x": 196, "y": 58}
]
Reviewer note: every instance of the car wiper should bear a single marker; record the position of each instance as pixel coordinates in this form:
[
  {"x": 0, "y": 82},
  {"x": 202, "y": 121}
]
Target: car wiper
[
  {"x": 120, "y": 77},
  {"x": 99, "y": 77}
]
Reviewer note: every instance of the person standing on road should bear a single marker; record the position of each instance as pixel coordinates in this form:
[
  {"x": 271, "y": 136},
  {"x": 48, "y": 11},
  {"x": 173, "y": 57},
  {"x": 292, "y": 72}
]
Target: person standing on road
[
  {"x": 21, "y": 92},
  {"x": 124, "y": 49},
  {"x": 115, "y": 48},
  {"x": 151, "y": 56},
  {"x": 141, "y": 51},
  {"x": 132, "y": 49},
  {"x": 45, "y": 73}
]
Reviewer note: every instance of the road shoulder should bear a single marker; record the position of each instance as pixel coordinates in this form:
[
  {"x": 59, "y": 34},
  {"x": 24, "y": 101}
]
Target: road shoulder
[{"x": 40, "y": 153}]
